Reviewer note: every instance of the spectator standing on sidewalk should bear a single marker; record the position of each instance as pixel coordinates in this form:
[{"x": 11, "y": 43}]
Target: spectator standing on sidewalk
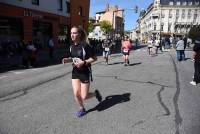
[
  {"x": 180, "y": 50},
  {"x": 32, "y": 54},
  {"x": 136, "y": 42},
  {"x": 25, "y": 55},
  {"x": 51, "y": 47},
  {"x": 82, "y": 55},
  {"x": 167, "y": 44},
  {"x": 185, "y": 42},
  {"x": 196, "y": 59}
]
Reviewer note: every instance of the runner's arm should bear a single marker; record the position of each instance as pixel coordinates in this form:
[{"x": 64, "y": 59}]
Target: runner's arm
[{"x": 66, "y": 60}]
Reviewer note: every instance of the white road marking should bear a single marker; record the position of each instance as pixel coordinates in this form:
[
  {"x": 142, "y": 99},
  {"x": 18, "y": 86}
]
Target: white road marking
[
  {"x": 4, "y": 76},
  {"x": 18, "y": 72},
  {"x": 35, "y": 69}
]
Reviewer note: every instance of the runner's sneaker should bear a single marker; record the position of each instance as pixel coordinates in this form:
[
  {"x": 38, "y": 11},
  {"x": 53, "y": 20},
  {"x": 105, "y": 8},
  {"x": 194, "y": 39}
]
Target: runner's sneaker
[
  {"x": 98, "y": 95},
  {"x": 81, "y": 113},
  {"x": 193, "y": 83}
]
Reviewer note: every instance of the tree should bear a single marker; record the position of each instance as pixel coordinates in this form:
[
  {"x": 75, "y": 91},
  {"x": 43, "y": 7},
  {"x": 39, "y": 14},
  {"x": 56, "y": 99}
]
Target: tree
[
  {"x": 63, "y": 30},
  {"x": 194, "y": 32},
  {"x": 90, "y": 27},
  {"x": 105, "y": 26}
]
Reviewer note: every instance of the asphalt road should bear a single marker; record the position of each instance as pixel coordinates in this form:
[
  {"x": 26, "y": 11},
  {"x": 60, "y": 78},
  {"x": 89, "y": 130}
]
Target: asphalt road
[{"x": 151, "y": 96}]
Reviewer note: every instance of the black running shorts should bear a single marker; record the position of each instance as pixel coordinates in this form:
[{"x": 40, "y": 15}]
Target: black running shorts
[
  {"x": 125, "y": 53},
  {"x": 84, "y": 77}
]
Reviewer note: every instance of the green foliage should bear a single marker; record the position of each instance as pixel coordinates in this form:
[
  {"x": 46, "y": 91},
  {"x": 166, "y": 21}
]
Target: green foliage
[
  {"x": 63, "y": 30},
  {"x": 194, "y": 32},
  {"x": 105, "y": 26},
  {"x": 90, "y": 27}
]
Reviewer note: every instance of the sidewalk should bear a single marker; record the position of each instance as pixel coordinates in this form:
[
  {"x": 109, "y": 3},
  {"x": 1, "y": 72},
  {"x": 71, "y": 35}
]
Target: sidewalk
[{"x": 15, "y": 62}]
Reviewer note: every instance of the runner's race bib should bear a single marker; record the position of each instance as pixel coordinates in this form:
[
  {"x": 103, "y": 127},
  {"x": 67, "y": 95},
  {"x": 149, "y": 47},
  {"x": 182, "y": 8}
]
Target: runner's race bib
[
  {"x": 125, "y": 50},
  {"x": 107, "y": 49}
]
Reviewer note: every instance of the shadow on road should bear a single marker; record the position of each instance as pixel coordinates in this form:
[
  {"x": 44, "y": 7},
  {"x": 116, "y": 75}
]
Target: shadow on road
[
  {"x": 110, "y": 101},
  {"x": 133, "y": 64},
  {"x": 115, "y": 63},
  {"x": 188, "y": 59}
]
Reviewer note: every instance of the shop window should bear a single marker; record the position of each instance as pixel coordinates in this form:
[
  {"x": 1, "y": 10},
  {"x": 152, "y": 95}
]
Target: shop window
[
  {"x": 35, "y": 2},
  {"x": 10, "y": 27}
]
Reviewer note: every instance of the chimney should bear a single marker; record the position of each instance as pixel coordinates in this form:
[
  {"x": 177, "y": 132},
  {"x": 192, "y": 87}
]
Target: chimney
[
  {"x": 107, "y": 7},
  {"x": 116, "y": 7}
]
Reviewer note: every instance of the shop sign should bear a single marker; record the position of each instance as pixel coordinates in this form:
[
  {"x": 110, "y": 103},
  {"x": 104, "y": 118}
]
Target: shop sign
[{"x": 32, "y": 14}]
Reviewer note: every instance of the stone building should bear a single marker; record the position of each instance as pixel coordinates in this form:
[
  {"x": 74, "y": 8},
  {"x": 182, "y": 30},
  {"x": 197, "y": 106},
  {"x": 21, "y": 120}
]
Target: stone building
[
  {"x": 168, "y": 17},
  {"x": 114, "y": 15}
]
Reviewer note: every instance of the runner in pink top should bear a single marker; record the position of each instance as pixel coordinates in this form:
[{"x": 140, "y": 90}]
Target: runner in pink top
[{"x": 126, "y": 46}]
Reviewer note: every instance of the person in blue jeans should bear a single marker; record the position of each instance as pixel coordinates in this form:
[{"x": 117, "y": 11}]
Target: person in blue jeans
[{"x": 180, "y": 49}]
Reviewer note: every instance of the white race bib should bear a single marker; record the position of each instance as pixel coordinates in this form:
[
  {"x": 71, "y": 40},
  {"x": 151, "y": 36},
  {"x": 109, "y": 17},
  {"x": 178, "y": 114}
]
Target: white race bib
[
  {"x": 125, "y": 50},
  {"x": 76, "y": 60},
  {"x": 107, "y": 49}
]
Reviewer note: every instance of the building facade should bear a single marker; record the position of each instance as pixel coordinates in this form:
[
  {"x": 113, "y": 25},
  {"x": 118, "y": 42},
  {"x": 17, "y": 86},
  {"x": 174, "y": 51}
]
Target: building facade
[
  {"x": 112, "y": 14},
  {"x": 169, "y": 17},
  {"x": 80, "y": 13},
  {"x": 39, "y": 19}
]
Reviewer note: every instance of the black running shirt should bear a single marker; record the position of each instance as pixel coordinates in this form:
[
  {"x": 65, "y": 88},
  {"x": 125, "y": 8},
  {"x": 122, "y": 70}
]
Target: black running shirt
[{"x": 76, "y": 51}]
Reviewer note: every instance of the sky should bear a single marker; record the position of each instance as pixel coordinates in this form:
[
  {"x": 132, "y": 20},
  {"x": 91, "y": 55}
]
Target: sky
[{"x": 130, "y": 16}]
